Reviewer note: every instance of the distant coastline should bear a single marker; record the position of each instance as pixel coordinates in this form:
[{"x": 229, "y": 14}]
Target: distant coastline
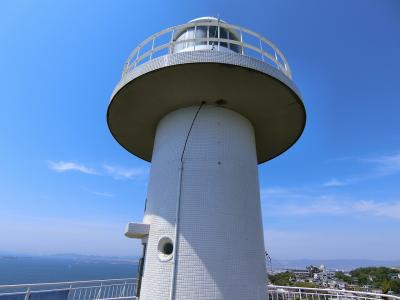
[
  {"x": 73, "y": 256},
  {"x": 25, "y": 268},
  {"x": 333, "y": 264}
]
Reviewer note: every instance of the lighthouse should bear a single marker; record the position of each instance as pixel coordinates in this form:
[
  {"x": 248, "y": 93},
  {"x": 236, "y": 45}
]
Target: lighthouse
[{"x": 205, "y": 102}]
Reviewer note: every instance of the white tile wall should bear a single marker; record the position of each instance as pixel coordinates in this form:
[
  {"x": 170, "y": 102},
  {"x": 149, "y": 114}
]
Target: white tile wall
[{"x": 220, "y": 253}]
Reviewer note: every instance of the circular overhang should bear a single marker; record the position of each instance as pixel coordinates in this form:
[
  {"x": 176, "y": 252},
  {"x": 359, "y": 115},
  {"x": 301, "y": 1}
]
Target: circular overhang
[{"x": 250, "y": 87}]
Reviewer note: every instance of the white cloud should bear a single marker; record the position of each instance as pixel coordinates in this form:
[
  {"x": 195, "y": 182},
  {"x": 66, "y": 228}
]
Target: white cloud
[
  {"x": 381, "y": 166},
  {"x": 326, "y": 205},
  {"x": 389, "y": 210},
  {"x": 302, "y": 202},
  {"x": 334, "y": 183},
  {"x": 65, "y": 166},
  {"x": 122, "y": 173},
  {"x": 282, "y": 193},
  {"x": 386, "y": 165},
  {"x": 115, "y": 172},
  {"x": 276, "y": 191},
  {"x": 101, "y": 194}
]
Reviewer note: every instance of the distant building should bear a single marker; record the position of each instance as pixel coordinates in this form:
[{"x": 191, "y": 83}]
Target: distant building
[
  {"x": 332, "y": 284},
  {"x": 395, "y": 276},
  {"x": 353, "y": 287},
  {"x": 300, "y": 273},
  {"x": 342, "y": 285},
  {"x": 366, "y": 288}
]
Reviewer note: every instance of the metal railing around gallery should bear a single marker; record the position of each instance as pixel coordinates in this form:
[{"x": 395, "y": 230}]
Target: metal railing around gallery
[
  {"x": 74, "y": 290},
  {"x": 126, "y": 289},
  {"x": 206, "y": 35}
]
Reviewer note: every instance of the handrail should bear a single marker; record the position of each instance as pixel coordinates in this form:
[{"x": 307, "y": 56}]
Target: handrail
[
  {"x": 121, "y": 288},
  {"x": 63, "y": 282},
  {"x": 276, "y": 59},
  {"x": 221, "y": 40},
  {"x": 330, "y": 291},
  {"x": 275, "y": 292}
]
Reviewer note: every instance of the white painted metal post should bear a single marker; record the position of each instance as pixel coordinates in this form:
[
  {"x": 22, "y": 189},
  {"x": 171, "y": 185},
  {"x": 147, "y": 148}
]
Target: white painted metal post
[
  {"x": 218, "y": 37},
  {"x": 195, "y": 38},
  {"x": 152, "y": 48},
  {"x": 27, "y": 294},
  {"x": 241, "y": 42},
  {"x": 137, "y": 56},
  {"x": 261, "y": 48},
  {"x": 171, "y": 41}
]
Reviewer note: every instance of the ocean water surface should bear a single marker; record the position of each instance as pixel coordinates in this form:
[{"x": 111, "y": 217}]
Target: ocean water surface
[{"x": 19, "y": 270}]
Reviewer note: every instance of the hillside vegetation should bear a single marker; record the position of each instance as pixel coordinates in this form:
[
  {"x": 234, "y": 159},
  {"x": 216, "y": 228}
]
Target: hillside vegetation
[{"x": 382, "y": 278}]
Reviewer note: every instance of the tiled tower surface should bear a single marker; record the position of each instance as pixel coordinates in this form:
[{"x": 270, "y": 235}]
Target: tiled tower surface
[
  {"x": 205, "y": 102},
  {"x": 220, "y": 247}
]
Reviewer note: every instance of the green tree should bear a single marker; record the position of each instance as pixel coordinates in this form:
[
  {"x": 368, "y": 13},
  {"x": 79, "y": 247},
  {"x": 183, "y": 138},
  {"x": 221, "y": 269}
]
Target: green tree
[
  {"x": 377, "y": 277},
  {"x": 283, "y": 278}
]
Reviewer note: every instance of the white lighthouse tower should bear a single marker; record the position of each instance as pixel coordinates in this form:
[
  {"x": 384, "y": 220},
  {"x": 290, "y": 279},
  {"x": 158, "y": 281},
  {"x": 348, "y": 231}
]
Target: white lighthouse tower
[{"x": 205, "y": 102}]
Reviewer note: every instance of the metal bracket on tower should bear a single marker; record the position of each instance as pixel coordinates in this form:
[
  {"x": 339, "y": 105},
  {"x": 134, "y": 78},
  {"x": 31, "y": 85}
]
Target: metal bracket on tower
[{"x": 137, "y": 230}]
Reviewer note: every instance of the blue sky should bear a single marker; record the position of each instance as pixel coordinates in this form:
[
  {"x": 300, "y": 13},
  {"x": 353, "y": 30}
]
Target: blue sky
[{"x": 67, "y": 186}]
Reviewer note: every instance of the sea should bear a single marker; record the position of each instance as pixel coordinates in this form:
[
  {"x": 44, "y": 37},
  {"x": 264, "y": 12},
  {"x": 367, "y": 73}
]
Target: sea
[
  {"x": 73, "y": 267},
  {"x": 44, "y": 269}
]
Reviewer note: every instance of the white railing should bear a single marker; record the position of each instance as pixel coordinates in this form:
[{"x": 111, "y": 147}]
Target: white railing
[
  {"x": 126, "y": 289},
  {"x": 75, "y": 290},
  {"x": 247, "y": 42},
  {"x": 300, "y": 293}
]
